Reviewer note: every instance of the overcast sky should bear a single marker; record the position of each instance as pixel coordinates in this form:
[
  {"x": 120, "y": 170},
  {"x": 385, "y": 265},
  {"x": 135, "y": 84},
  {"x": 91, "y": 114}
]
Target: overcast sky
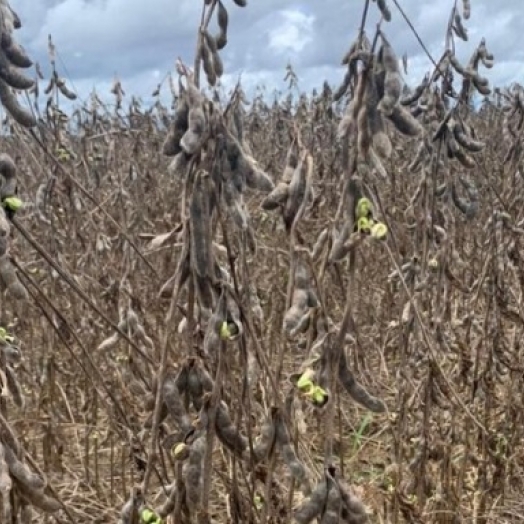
[{"x": 140, "y": 39}]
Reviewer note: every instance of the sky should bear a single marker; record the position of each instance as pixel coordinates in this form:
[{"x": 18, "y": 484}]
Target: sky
[{"x": 139, "y": 40}]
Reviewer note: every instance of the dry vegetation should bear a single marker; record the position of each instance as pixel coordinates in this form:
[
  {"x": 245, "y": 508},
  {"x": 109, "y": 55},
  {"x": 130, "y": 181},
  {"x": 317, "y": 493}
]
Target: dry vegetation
[{"x": 306, "y": 316}]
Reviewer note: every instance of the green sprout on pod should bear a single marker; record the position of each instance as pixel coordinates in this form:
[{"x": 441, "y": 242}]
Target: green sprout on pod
[
  {"x": 317, "y": 395},
  {"x": 12, "y": 203},
  {"x": 148, "y": 516},
  {"x": 5, "y": 337},
  {"x": 366, "y": 224},
  {"x": 228, "y": 330}
]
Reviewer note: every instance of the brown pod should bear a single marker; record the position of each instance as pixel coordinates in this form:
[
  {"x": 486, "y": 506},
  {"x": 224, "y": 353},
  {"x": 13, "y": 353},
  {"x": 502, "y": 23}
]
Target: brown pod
[
  {"x": 38, "y": 499},
  {"x": 353, "y": 511},
  {"x": 384, "y": 10},
  {"x": 357, "y": 392},
  {"x": 480, "y": 85},
  {"x": 200, "y": 225},
  {"x": 455, "y": 151},
  {"x": 21, "y": 472},
  {"x": 174, "y": 404},
  {"x": 299, "y": 188},
  {"x": 14, "y": 387},
  {"x": 466, "y": 9},
  {"x": 392, "y": 78},
  {"x": 312, "y": 506},
  {"x": 344, "y": 86},
  {"x": 10, "y": 279},
  {"x": 207, "y": 62},
  {"x": 405, "y": 122},
  {"x": 12, "y": 75},
  {"x": 459, "y": 28},
  {"x": 379, "y": 137},
  {"x": 467, "y": 142},
  {"x": 282, "y": 438},
  {"x": 333, "y": 507},
  {"x": 222, "y": 18},
  {"x": 14, "y": 52},
  {"x": 276, "y": 198},
  {"x": 50, "y": 86},
  {"x": 265, "y": 442},
  {"x": 192, "y": 472},
  {"x": 255, "y": 177},
  {"x": 413, "y": 97},
  {"x": 194, "y": 136},
  {"x": 468, "y": 207},
  {"x": 70, "y": 95},
  {"x": 296, "y": 318},
  {"x": 8, "y": 174},
  {"x": 291, "y": 162},
  {"x": 21, "y": 115},
  {"x": 171, "y": 146},
  {"x": 227, "y": 433}
]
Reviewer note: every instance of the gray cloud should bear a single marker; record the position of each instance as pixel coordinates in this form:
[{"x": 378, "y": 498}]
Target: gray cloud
[{"x": 140, "y": 40}]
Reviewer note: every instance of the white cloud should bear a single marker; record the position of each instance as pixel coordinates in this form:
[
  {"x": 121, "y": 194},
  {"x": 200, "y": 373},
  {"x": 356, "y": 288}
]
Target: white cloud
[
  {"x": 139, "y": 41},
  {"x": 293, "y": 33}
]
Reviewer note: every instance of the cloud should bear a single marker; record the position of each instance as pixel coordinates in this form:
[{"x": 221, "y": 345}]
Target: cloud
[{"x": 140, "y": 40}]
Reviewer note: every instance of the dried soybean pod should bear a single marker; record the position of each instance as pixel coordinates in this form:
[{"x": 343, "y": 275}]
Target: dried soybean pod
[
  {"x": 466, "y": 9},
  {"x": 313, "y": 505},
  {"x": 333, "y": 507},
  {"x": 171, "y": 146},
  {"x": 62, "y": 87},
  {"x": 194, "y": 135},
  {"x": 12, "y": 76},
  {"x": 342, "y": 89},
  {"x": 468, "y": 208},
  {"x": 21, "y": 115},
  {"x": 6, "y": 485},
  {"x": 8, "y": 173},
  {"x": 457, "y": 152},
  {"x": 128, "y": 513},
  {"x": 10, "y": 279},
  {"x": 384, "y": 10},
  {"x": 218, "y": 66},
  {"x": 200, "y": 225},
  {"x": 192, "y": 472},
  {"x": 15, "y": 53},
  {"x": 465, "y": 140},
  {"x": 405, "y": 122},
  {"x": 288, "y": 454},
  {"x": 392, "y": 79},
  {"x": 276, "y": 198},
  {"x": 413, "y": 97},
  {"x": 227, "y": 433},
  {"x": 50, "y": 85},
  {"x": 459, "y": 28},
  {"x": 174, "y": 405},
  {"x": 357, "y": 392},
  {"x": 481, "y": 86},
  {"x": 299, "y": 188},
  {"x": 38, "y": 498},
  {"x": 14, "y": 387},
  {"x": 223, "y": 22},
  {"x": 21, "y": 472},
  {"x": 379, "y": 137},
  {"x": 353, "y": 510},
  {"x": 265, "y": 442},
  {"x": 207, "y": 62}
]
